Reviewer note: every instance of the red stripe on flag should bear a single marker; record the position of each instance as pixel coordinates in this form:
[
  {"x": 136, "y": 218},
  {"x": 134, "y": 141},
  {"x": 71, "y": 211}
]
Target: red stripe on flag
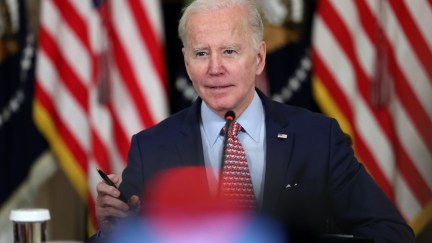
[
  {"x": 412, "y": 33},
  {"x": 329, "y": 82},
  {"x": 75, "y": 149},
  {"x": 74, "y": 21},
  {"x": 372, "y": 166},
  {"x": 100, "y": 153},
  {"x": 414, "y": 179},
  {"x": 130, "y": 80},
  {"x": 120, "y": 138},
  {"x": 65, "y": 71},
  {"x": 412, "y": 106},
  {"x": 149, "y": 36}
]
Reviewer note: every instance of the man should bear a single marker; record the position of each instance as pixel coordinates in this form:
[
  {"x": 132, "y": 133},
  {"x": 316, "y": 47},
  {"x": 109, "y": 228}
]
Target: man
[{"x": 302, "y": 170}]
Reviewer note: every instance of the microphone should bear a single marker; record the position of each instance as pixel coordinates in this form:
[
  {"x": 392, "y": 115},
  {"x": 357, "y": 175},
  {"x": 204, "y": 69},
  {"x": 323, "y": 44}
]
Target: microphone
[{"x": 229, "y": 118}]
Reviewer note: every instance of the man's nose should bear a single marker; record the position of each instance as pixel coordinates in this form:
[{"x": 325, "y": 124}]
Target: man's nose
[{"x": 216, "y": 64}]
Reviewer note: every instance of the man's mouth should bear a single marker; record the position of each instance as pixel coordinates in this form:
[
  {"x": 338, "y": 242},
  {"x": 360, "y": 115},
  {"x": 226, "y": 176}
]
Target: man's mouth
[{"x": 220, "y": 87}]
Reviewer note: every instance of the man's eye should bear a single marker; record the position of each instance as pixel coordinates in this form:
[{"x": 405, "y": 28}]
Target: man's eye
[
  {"x": 229, "y": 52},
  {"x": 200, "y": 54}
]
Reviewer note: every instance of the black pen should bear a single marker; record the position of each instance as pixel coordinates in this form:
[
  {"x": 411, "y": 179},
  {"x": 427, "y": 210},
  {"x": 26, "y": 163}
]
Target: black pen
[{"x": 109, "y": 182}]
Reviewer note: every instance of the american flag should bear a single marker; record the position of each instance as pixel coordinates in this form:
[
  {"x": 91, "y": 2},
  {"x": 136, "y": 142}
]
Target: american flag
[
  {"x": 100, "y": 78},
  {"x": 373, "y": 72}
]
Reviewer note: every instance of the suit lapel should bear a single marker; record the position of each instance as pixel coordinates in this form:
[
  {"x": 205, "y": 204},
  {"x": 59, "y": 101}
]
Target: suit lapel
[
  {"x": 279, "y": 141},
  {"x": 189, "y": 145}
]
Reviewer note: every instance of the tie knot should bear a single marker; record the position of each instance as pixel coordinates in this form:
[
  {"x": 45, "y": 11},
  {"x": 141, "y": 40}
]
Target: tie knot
[{"x": 234, "y": 129}]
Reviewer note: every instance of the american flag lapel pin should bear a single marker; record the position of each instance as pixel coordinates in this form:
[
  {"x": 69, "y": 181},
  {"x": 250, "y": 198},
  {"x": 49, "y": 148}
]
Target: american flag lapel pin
[{"x": 282, "y": 135}]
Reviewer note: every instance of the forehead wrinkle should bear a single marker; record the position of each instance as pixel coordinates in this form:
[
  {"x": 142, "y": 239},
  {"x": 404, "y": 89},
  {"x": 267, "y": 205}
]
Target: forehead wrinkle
[
  {"x": 221, "y": 47},
  {"x": 232, "y": 46}
]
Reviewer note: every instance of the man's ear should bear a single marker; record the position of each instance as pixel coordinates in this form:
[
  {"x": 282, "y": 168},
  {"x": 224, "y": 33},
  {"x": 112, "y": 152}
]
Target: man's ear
[{"x": 261, "y": 57}]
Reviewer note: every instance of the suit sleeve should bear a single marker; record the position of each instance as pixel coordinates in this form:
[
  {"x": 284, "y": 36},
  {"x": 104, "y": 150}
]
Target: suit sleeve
[{"x": 360, "y": 206}]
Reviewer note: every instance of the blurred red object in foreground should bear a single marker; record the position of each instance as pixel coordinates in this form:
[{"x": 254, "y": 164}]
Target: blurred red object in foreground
[{"x": 178, "y": 207}]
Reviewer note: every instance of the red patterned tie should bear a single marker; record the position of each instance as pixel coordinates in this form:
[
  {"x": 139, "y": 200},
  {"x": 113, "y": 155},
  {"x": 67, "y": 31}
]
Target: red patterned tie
[{"x": 236, "y": 183}]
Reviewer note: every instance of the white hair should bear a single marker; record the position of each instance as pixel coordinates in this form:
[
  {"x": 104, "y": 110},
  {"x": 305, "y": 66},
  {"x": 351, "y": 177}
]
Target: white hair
[{"x": 253, "y": 15}]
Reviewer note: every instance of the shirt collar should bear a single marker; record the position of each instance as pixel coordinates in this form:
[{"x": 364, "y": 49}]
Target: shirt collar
[{"x": 252, "y": 120}]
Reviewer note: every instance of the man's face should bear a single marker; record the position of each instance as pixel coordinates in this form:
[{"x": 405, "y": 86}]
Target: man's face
[{"x": 221, "y": 60}]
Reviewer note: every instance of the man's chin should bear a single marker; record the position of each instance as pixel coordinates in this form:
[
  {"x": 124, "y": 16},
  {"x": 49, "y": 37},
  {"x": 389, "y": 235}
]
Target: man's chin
[{"x": 220, "y": 108}]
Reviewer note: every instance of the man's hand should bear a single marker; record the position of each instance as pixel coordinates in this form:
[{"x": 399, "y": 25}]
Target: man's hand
[{"x": 109, "y": 208}]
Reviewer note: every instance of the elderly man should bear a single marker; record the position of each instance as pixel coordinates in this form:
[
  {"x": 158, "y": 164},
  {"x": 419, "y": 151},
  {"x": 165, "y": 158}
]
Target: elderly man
[{"x": 296, "y": 167}]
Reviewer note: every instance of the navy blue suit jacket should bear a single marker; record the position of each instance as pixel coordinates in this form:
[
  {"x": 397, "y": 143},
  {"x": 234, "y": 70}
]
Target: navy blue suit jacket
[{"x": 310, "y": 176}]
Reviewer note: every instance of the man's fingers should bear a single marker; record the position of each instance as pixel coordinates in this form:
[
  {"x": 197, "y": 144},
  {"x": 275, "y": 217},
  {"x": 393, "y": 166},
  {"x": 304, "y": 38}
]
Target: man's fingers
[
  {"x": 109, "y": 201},
  {"x": 109, "y": 212},
  {"x": 114, "y": 178},
  {"x": 134, "y": 203},
  {"x": 104, "y": 189},
  {"x": 134, "y": 200}
]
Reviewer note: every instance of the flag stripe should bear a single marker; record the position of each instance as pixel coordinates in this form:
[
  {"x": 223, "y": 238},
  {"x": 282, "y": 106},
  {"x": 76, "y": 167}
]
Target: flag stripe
[
  {"x": 124, "y": 105},
  {"x": 404, "y": 198},
  {"x": 76, "y": 55},
  {"x": 100, "y": 122},
  {"x": 152, "y": 92},
  {"x": 411, "y": 104},
  {"x": 131, "y": 81},
  {"x": 415, "y": 148},
  {"x": 329, "y": 81},
  {"x": 152, "y": 43},
  {"x": 66, "y": 72},
  {"x": 100, "y": 152},
  {"x": 422, "y": 9},
  {"x": 120, "y": 138},
  {"x": 329, "y": 78},
  {"x": 73, "y": 20},
  {"x": 62, "y": 130},
  {"x": 418, "y": 43},
  {"x": 415, "y": 181},
  {"x": 66, "y": 159},
  {"x": 60, "y": 93}
]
